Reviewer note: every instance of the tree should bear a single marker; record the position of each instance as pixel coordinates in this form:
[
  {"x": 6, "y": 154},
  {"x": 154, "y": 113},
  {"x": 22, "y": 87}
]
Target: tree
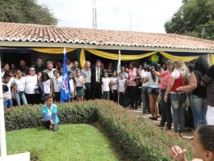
[
  {"x": 26, "y": 11},
  {"x": 194, "y": 18}
]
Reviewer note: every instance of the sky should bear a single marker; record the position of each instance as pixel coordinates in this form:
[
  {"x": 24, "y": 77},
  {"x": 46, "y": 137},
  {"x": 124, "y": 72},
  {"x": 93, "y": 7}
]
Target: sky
[{"x": 125, "y": 15}]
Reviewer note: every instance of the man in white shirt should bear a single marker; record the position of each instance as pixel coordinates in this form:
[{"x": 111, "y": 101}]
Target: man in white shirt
[
  {"x": 50, "y": 69},
  {"x": 74, "y": 68},
  {"x": 69, "y": 64},
  {"x": 86, "y": 73}
]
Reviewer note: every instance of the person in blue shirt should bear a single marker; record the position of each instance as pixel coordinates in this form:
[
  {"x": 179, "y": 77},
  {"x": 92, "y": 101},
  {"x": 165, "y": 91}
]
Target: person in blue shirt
[{"x": 50, "y": 119}]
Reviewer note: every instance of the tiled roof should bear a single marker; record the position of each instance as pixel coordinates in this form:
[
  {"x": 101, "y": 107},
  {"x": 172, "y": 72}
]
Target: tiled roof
[{"x": 43, "y": 33}]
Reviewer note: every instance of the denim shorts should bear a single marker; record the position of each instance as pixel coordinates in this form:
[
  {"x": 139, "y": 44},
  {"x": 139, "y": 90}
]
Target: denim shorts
[
  {"x": 8, "y": 103},
  {"x": 154, "y": 91}
]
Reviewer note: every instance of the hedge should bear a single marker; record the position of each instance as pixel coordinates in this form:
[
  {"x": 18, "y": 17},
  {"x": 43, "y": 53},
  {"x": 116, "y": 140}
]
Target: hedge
[{"x": 138, "y": 138}]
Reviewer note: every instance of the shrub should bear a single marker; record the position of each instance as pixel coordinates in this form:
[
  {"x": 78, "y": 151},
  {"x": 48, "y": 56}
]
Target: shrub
[
  {"x": 29, "y": 116},
  {"x": 139, "y": 139}
]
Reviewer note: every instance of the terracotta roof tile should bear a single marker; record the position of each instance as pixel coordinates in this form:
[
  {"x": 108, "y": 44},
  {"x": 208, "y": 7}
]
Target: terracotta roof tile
[{"x": 44, "y": 33}]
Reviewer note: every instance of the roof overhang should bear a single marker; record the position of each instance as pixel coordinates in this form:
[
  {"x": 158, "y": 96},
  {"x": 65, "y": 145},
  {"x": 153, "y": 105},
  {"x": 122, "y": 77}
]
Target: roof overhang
[{"x": 108, "y": 47}]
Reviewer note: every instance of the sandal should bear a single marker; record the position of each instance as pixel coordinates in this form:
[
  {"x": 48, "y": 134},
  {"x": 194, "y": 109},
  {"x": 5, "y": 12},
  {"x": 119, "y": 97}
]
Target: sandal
[{"x": 153, "y": 118}]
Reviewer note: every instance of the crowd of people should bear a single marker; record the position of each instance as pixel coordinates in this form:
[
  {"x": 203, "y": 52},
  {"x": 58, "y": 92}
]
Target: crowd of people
[
  {"x": 165, "y": 89},
  {"x": 181, "y": 93}
]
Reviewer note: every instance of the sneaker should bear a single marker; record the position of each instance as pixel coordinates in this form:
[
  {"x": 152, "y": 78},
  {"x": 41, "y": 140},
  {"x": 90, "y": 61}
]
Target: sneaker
[{"x": 166, "y": 128}]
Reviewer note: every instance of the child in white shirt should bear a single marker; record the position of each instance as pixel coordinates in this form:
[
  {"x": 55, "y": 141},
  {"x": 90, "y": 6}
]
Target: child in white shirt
[
  {"x": 122, "y": 85},
  {"x": 8, "y": 102},
  {"x": 57, "y": 85},
  {"x": 105, "y": 86},
  {"x": 72, "y": 86},
  {"x": 114, "y": 83}
]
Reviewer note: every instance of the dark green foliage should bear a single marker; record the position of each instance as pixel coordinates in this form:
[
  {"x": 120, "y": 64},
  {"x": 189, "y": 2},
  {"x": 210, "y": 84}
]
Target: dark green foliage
[
  {"x": 25, "y": 11},
  {"x": 194, "y": 18},
  {"x": 139, "y": 139}
]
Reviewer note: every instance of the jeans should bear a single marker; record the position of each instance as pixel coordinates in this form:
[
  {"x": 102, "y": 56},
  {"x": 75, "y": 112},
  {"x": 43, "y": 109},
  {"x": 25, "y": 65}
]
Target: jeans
[
  {"x": 166, "y": 115},
  {"x": 178, "y": 102},
  {"x": 145, "y": 99},
  {"x": 20, "y": 95},
  {"x": 8, "y": 103},
  {"x": 198, "y": 110}
]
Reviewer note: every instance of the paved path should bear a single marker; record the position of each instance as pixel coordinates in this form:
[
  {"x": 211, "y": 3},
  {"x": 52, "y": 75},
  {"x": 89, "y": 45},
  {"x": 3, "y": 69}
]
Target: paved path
[{"x": 138, "y": 113}]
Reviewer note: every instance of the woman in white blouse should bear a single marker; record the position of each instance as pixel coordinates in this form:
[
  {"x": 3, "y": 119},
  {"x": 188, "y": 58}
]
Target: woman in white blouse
[
  {"x": 19, "y": 87},
  {"x": 30, "y": 86}
]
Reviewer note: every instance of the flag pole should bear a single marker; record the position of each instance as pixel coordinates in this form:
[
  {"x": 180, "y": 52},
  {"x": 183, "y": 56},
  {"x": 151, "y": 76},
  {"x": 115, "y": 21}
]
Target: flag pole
[
  {"x": 118, "y": 71},
  {"x": 2, "y": 125}
]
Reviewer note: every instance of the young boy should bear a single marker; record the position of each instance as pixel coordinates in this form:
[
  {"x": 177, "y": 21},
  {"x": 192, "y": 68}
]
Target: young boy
[
  {"x": 8, "y": 102},
  {"x": 105, "y": 86},
  {"x": 50, "y": 119},
  {"x": 57, "y": 84},
  {"x": 122, "y": 85}
]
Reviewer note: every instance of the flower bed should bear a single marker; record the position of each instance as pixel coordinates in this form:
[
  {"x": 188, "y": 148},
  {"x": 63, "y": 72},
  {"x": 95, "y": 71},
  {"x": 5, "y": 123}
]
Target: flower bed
[{"x": 139, "y": 139}]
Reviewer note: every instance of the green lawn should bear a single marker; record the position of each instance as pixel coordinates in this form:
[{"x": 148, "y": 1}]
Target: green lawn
[{"x": 74, "y": 142}]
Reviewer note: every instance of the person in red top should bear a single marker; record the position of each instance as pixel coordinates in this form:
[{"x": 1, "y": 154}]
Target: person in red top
[
  {"x": 165, "y": 76},
  {"x": 179, "y": 77}
]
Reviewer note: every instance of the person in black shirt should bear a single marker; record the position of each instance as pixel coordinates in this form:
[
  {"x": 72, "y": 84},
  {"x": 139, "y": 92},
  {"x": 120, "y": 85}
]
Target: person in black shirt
[
  {"x": 198, "y": 95},
  {"x": 39, "y": 67},
  {"x": 24, "y": 69},
  {"x": 96, "y": 76}
]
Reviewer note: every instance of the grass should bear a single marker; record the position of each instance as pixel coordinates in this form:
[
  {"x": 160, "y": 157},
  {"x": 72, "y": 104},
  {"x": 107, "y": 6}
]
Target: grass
[{"x": 73, "y": 142}]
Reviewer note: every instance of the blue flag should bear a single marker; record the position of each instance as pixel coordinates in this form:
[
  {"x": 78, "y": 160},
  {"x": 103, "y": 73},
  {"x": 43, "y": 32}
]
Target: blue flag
[{"x": 65, "y": 90}]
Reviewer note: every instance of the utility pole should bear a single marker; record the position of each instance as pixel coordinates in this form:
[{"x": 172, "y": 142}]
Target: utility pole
[
  {"x": 94, "y": 14},
  {"x": 130, "y": 16}
]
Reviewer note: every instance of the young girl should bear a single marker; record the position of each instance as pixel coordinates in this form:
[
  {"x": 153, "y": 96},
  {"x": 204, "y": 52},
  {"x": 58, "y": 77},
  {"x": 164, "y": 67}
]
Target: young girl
[
  {"x": 80, "y": 82},
  {"x": 153, "y": 91},
  {"x": 57, "y": 84},
  {"x": 203, "y": 146},
  {"x": 50, "y": 119},
  {"x": 122, "y": 85},
  {"x": 105, "y": 86},
  {"x": 113, "y": 84},
  {"x": 18, "y": 89},
  {"x": 72, "y": 86},
  {"x": 47, "y": 84}
]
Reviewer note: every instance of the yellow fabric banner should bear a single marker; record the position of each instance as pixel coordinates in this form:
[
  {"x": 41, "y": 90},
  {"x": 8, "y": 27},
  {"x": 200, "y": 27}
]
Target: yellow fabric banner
[
  {"x": 82, "y": 58},
  {"x": 115, "y": 56},
  {"x": 211, "y": 57},
  {"x": 52, "y": 50},
  {"x": 183, "y": 58}
]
